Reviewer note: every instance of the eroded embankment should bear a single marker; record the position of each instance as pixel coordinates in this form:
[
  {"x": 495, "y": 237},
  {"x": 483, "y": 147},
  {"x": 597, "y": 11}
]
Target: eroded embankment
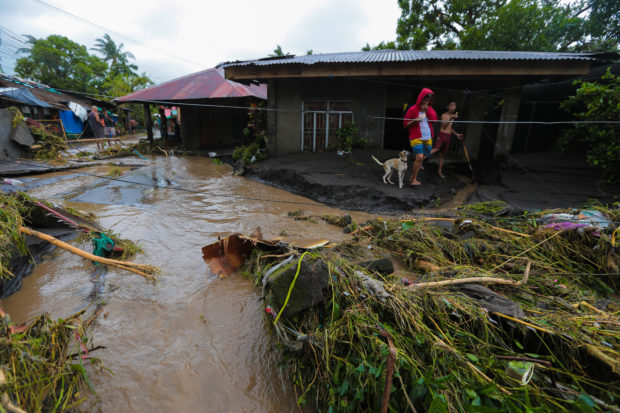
[{"x": 353, "y": 182}]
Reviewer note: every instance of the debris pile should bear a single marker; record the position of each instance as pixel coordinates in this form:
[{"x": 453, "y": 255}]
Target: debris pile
[
  {"x": 19, "y": 213},
  {"x": 493, "y": 313},
  {"x": 43, "y": 364}
]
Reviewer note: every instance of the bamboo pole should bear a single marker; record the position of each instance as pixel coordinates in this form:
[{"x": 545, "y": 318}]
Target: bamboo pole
[
  {"x": 525, "y": 323},
  {"x": 614, "y": 364},
  {"x": 143, "y": 270},
  {"x": 469, "y": 280}
]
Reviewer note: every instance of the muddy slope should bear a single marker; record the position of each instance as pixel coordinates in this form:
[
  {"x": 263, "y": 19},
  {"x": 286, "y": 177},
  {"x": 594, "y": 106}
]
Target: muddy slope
[{"x": 353, "y": 183}]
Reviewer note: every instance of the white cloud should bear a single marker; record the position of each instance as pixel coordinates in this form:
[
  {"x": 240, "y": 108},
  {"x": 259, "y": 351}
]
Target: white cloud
[{"x": 187, "y": 36}]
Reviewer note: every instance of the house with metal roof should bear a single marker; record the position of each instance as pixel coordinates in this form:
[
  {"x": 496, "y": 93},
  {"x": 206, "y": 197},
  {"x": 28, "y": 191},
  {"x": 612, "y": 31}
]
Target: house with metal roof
[
  {"x": 213, "y": 109},
  {"x": 311, "y": 96}
]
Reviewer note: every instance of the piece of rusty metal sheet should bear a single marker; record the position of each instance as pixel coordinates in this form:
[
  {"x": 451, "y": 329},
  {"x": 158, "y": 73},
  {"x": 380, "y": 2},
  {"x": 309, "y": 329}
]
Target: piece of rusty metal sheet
[{"x": 227, "y": 255}]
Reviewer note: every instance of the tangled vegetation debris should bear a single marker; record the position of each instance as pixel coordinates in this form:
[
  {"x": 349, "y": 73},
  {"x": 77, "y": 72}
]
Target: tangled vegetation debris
[
  {"x": 50, "y": 146},
  {"x": 43, "y": 364},
  {"x": 540, "y": 331},
  {"x": 12, "y": 213},
  {"x": 19, "y": 209}
]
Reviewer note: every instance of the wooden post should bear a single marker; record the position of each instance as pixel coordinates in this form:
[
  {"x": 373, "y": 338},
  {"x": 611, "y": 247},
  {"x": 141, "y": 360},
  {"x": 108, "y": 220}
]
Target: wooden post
[
  {"x": 148, "y": 122},
  {"x": 128, "y": 124}
]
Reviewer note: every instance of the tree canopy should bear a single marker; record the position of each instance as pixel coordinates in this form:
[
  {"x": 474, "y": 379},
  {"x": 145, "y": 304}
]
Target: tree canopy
[
  {"x": 532, "y": 25},
  {"x": 64, "y": 64}
]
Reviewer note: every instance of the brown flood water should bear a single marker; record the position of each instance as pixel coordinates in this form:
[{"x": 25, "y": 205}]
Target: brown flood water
[{"x": 194, "y": 342}]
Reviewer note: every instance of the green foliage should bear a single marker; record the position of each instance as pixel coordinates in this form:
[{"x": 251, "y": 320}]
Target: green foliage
[
  {"x": 538, "y": 25},
  {"x": 12, "y": 242},
  {"x": 113, "y": 53},
  {"x": 62, "y": 63},
  {"x": 278, "y": 52},
  {"x": 52, "y": 145},
  {"x": 598, "y": 100},
  {"x": 348, "y": 138},
  {"x": 245, "y": 153},
  {"x": 42, "y": 366},
  {"x": 453, "y": 353}
]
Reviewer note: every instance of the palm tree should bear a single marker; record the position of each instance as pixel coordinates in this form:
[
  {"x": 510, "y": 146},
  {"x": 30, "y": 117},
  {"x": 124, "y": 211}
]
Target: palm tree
[
  {"x": 30, "y": 41},
  {"x": 111, "y": 52},
  {"x": 278, "y": 52}
]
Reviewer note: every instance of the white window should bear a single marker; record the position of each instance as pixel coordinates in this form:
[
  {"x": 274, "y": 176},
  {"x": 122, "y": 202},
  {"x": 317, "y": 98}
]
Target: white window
[{"x": 320, "y": 120}]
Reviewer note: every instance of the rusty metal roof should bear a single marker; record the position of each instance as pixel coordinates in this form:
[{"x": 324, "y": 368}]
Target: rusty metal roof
[
  {"x": 207, "y": 84},
  {"x": 388, "y": 55}
]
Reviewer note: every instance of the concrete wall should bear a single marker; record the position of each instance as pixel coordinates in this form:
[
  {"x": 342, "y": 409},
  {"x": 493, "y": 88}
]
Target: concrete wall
[{"x": 369, "y": 100}]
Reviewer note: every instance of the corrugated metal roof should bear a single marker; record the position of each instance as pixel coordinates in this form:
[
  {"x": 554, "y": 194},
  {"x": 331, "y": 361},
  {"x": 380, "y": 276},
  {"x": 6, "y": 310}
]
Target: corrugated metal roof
[
  {"x": 375, "y": 56},
  {"x": 206, "y": 84}
]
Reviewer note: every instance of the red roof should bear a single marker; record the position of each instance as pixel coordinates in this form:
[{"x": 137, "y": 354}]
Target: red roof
[{"x": 207, "y": 84}]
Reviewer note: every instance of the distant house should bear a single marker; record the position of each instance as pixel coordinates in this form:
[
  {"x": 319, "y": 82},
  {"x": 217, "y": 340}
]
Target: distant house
[
  {"x": 311, "y": 96},
  {"x": 47, "y": 105},
  {"x": 213, "y": 110}
]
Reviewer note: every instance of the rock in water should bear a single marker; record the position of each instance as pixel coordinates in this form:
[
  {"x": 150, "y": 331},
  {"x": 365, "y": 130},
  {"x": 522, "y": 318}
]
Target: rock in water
[{"x": 308, "y": 290}]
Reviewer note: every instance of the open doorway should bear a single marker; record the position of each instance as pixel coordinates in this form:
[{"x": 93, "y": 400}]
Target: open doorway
[{"x": 395, "y": 136}]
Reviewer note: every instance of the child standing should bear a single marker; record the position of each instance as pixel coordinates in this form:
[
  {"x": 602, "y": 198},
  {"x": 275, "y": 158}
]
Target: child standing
[{"x": 418, "y": 121}]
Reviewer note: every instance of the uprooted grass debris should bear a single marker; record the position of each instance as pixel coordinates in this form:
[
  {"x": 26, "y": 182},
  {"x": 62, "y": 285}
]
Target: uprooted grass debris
[
  {"x": 18, "y": 209},
  {"x": 445, "y": 350},
  {"x": 43, "y": 365}
]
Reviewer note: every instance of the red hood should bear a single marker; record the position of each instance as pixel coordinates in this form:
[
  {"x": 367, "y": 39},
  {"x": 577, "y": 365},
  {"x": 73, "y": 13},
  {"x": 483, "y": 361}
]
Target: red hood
[{"x": 422, "y": 95}]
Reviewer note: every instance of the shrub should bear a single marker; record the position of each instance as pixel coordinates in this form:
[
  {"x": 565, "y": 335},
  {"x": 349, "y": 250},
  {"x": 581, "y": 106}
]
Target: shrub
[
  {"x": 245, "y": 153},
  {"x": 595, "y": 101},
  {"x": 348, "y": 138}
]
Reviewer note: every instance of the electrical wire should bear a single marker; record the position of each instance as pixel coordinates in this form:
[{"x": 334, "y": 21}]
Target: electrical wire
[
  {"x": 244, "y": 198},
  {"x": 193, "y": 191},
  {"x": 121, "y": 35}
]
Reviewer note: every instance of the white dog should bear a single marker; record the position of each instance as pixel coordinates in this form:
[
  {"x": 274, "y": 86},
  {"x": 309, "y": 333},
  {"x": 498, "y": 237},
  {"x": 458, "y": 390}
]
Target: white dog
[{"x": 400, "y": 164}]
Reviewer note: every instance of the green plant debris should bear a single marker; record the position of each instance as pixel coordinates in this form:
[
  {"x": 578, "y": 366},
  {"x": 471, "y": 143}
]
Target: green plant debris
[
  {"x": 16, "y": 211},
  {"x": 248, "y": 153},
  {"x": 52, "y": 145},
  {"x": 12, "y": 243},
  {"x": 484, "y": 208},
  {"x": 114, "y": 171},
  {"x": 43, "y": 363},
  {"x": 452, "y": 354},
  {"x": 338, "y": 220},
  {"x": 18, "y": 117}
]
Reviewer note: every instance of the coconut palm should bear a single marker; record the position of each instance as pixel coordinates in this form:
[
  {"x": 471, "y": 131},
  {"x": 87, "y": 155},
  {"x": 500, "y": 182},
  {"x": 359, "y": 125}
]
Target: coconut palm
[{"x": 112, "y": 52}]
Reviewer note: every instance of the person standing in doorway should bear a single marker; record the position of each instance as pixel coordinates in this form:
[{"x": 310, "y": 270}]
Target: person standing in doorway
[
  {"x": 418, "y": 121},
  {"x": 96, "y": 125},
  {"x": 445, "y": 134}
]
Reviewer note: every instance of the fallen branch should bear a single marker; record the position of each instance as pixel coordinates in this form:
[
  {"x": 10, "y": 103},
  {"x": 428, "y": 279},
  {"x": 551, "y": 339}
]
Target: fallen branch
[
  {"x": 5, "y": 401},
  {"x": 525, "y": 323},
  {"x": 143, "y": 270},
  {"x": 389, "y": 371},
  {"x": 614, "y": 364},
  {"x": 470, "y": 280}
]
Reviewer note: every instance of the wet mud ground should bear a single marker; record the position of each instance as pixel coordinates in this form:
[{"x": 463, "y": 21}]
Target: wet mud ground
[
  {"x": 194, "y": 342},
  {"x": 524, "y": 181}
]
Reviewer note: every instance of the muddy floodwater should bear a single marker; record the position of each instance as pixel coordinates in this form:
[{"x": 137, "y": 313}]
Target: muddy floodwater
[{"x": 194, "y": 342}]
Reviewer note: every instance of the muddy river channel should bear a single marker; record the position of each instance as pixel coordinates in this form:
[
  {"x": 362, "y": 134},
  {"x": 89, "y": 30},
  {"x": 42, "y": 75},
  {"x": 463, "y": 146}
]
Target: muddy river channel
[{"x": 193, "y": 342}]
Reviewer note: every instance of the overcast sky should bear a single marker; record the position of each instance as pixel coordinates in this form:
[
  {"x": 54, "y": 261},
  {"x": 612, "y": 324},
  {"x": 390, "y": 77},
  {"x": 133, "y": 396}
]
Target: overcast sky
[{"x": 182, "y": 36}]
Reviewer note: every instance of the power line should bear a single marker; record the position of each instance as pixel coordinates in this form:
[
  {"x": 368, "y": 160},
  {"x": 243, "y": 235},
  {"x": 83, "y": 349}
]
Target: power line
[
  {"x": 193, "y": 191},
  {"x": 121, "y": 35}
]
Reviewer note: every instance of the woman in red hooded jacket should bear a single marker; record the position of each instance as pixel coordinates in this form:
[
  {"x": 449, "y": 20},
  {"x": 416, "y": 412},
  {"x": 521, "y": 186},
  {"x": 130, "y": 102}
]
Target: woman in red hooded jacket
[{"x": 418, "y": 121}]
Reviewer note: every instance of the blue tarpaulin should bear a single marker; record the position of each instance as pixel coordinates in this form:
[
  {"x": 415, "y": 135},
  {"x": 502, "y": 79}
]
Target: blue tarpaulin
[
  {"x": 72, "y": 123},
  {"x": 23, "y": 95}
]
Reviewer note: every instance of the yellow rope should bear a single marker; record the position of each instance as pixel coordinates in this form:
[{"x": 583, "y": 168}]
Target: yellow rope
[{"x": 290, "y": 289}]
